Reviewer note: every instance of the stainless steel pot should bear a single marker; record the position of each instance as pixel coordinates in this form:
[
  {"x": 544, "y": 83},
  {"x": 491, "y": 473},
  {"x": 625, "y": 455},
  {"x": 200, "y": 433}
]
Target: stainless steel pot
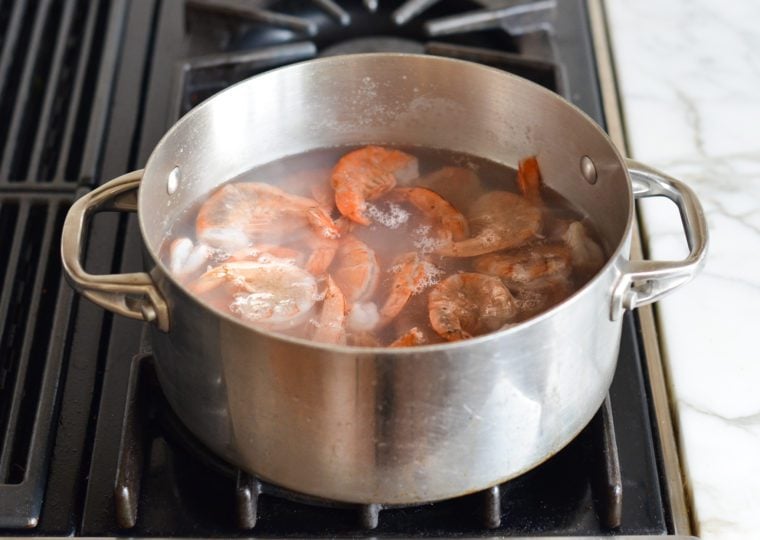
[{"x": 371, "y": 425}]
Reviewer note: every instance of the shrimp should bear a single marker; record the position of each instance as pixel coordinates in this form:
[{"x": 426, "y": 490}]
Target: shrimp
[
  {"x": 276, "y": 294},
  {"x": 356, "y": 269},
  {"x": 529, "y": 180},
  {"x": 366, "y": 174},
  {"x": 323, "y": 252},
  {"x": 469, "y": 304},
  {"x": 411, "y": 275},
  {"x": 498, "y": 220},
  {"x": 186, "y": 258},
  {"x": 459, "y": 186},
  {"x": 264, "y": 252},
  {"x": 331, "y": 326},
  {"x": 323, "y": 193},
  {"x": 362, "y": 317},
  {"x": 451, "y": 224},
  {"x": 412, "y": 337},
  {"x": 587, "y": 256},
  {"x": 528, "y": 263},
  {"x": 241, "y": 212},
  {"x": 324, "y": 249},
  {"x": 412, "y": 317}
]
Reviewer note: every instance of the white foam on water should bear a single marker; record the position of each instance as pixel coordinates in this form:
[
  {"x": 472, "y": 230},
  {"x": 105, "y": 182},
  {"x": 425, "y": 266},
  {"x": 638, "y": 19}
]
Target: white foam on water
[
  {"x": 424, "y": 242},
  {"x": 431, "y": 275},
  {"x": 217, "y": 255},
  {"x": 253, "y": 306},
  {"x": 393, "y": 218}
]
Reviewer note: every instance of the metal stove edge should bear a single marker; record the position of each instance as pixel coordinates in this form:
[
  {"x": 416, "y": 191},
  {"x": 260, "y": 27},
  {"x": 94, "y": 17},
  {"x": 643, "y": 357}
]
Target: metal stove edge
[{"x": 677, "y": 496}]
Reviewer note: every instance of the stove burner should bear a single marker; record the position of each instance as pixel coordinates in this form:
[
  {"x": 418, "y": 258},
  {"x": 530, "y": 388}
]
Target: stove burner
[
  {"x": 240, "y": 28},
  {"x": 374, "y": 44}
]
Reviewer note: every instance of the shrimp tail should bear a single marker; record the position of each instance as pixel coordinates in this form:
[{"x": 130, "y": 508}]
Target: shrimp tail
[
  {"x": 412, "y": 337},
  {"x": 351, "y": 204},
  {"x": 331, "y": 327},
  {"x": 322, "y": 223},
  {"x": 486, "y": 242},
  {"x": 446, "y": 324},
  {"x": 320, "y": 260},
  {"x": 529, "y": 180}
]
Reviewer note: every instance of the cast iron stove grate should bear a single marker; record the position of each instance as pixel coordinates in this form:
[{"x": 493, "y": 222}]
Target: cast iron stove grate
[
  {"x": 51, "y": 53},
  {"x": 255, "y": 38}
]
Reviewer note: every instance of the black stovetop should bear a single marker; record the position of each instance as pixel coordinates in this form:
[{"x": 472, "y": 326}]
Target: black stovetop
[{"x": 86, "y": 91}]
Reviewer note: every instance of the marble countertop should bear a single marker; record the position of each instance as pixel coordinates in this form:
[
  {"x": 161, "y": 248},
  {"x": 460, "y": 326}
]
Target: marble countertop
[{"x": 689, "y": 77}]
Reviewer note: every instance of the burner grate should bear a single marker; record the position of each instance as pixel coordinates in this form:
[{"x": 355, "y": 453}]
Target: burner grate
[
  {"x": 50, "y": 52},
  {"x": 35, "y": 309},
  {"x": 535, "y": 69},
  {"x": 324, "y": 27},
  {"x": 207, "y": 75},
  {"x": 54, "y": 86}
]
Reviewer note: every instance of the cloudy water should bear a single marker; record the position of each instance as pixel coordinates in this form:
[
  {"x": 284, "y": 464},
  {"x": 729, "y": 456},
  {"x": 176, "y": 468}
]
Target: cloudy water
[{"x": 280, "y": 249}]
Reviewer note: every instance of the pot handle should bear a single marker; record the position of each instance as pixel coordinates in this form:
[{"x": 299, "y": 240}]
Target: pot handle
[
  {"x": 132, "y": 295},
  {"x": 644, "y": 282}
]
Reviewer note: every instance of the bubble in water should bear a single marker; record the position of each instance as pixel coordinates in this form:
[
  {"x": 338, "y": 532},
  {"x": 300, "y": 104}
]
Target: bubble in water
[
  {"x": 431, "y": 275},
  {"x": 393, "y": 218},
  {"x": 529, "y": 300},
  {"x": 424, "y": 242},
  {"x": 254, "y": 306},
  {"x": 218, "y": 255}
]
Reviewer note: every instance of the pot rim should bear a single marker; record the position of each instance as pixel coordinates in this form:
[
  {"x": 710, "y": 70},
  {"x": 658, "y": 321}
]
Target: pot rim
[{"x": 612, "y": 259}]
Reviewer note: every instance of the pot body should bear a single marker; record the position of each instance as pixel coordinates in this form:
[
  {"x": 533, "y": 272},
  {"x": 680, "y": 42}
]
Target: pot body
[
  {"x": 368, "y": 426},
  {"x": 379, "y": 425}
]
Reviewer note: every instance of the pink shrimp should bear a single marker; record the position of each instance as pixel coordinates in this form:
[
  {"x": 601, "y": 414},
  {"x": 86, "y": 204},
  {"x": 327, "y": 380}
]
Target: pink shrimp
[
  {"x": 366, "y": 174},
  {"x": 331, "y": 325},
  {"x": 498, "y": 220},
  {"x": 356, "y": 269},
  {"x": 254, "y": 210},
  {"x": 449, "y": 223},
  {"x": 469, "y": 304}
]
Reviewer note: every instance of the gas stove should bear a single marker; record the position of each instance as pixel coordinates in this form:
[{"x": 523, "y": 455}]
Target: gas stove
[{"x": 88, "y": 445}]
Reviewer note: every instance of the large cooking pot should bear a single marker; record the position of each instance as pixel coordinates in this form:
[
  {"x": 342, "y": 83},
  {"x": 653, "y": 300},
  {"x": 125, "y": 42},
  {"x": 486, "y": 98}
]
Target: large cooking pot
[{"x": 379, "y": 425}]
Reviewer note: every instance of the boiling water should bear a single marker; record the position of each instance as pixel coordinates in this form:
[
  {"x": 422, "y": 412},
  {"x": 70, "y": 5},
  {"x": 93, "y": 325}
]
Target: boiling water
[{"x": 272, "y": 276}]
